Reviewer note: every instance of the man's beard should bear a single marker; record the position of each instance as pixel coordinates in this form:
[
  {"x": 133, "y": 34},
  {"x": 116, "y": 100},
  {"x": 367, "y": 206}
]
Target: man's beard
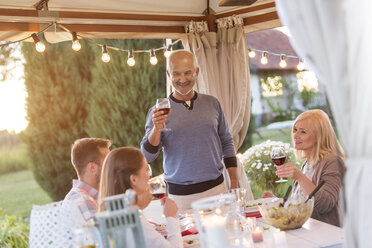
[
  {"x": 188, "y": 92},
  {"x": 185, "y": 94}
]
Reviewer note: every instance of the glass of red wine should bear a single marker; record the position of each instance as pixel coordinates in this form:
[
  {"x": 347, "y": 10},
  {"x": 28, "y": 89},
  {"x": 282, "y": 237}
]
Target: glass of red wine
[
  {"x": 163, "y": 104},
  {"x": 158, "y": 187},
  {"x": 278, "y": 156}
]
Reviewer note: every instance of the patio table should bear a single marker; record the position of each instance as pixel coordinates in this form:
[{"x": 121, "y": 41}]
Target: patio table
[{"x": 313, "y": 234}]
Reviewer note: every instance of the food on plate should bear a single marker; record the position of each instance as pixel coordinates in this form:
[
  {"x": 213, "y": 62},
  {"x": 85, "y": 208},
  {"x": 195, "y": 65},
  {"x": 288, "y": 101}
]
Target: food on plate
[
  {"x": 189, "y": 242},
  {"x": 161, "y": 227},
  {"x": 254, "y": 205},
  {"x": 288, "y": 217}
]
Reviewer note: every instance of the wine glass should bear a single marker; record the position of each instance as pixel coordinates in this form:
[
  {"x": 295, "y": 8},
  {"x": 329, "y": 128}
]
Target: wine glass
[
  {"x": 85, "y": 237},
  {"x": 241, "y": 197},
  {"x": 158, "y": 187},
  {"x": 163, "y": 104},
  {"x": 278, "y": 157}
]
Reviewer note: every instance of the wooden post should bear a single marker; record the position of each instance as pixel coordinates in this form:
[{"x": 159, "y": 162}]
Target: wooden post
[{"x": 211, "y": 19}]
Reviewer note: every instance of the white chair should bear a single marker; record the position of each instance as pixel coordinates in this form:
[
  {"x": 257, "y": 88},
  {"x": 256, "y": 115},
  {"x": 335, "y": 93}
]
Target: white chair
[
  {"x": 44, "y": 229},
  {"x": 116, "y": 202},
  {"x": 120, "y": 228}
]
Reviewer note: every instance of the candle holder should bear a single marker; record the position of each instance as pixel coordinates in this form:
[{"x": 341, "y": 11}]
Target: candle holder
[{"x": 218, "y": 221}]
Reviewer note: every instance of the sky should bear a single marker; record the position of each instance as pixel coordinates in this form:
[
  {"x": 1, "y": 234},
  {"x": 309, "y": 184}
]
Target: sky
[{"x": 12, "y": 101}]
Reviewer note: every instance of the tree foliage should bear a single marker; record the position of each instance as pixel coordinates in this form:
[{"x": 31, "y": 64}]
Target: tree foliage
[
  {"x": 122, "y": 95},
  {"x": 57, "y": 82},
  {"x": 74, "y": 94},
  {"x": 9, "y": 57}
]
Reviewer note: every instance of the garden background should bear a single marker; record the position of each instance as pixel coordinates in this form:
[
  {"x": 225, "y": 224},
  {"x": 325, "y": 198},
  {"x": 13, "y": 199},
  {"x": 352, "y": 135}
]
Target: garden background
[{"x": 76, "y": 95}]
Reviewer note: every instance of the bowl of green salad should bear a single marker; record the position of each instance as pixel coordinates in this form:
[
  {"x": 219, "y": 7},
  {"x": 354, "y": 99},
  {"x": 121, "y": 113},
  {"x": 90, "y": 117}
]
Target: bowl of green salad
[{"x": 287, "y": 217}]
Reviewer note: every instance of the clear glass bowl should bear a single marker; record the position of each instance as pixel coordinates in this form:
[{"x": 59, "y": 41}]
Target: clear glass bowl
[{"x": 291, "y": 216}]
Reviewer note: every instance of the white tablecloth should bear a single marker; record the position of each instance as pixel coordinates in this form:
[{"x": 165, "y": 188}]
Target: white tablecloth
[{"x": 313, "y": 234}]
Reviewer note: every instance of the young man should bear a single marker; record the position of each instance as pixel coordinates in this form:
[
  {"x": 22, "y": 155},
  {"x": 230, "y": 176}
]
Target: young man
[
  {"x": 80, "y": 204},
  {"x": 198, "y": 141}
]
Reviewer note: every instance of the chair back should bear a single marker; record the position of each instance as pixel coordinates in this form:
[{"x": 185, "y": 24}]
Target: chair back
[
  {"x": 116, "y": 202},
  {"x": 44, "y": 229},
  {"x": 120, "y": 228}
]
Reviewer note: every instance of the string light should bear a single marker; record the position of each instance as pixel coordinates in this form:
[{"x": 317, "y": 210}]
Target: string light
[
  {"x": 264, "y": 58},
  {"x": 40, "y": 47},
  {"x": 75, "y": 42},
  {"x": 105, "y": 56},
  {"x": 251, "y": 53},
  {"x": 300, "y": 65},
  {"x": 168, "y": 51},
  {"x": 282, "y": 63},
  {"x": 153, "y": 59},
  {"x": 131, "y": 61}
]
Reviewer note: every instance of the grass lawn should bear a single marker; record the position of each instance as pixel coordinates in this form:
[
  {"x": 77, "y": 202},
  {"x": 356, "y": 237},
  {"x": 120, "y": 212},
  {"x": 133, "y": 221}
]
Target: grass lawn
[
  {"x": 19, "y": 191},
  {"x": 283, "y": 135}
]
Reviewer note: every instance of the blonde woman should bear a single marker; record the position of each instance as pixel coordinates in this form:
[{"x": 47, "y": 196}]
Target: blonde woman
[
  {"x": 126, "y": 168},
  {"x": 315, "y": 141}
]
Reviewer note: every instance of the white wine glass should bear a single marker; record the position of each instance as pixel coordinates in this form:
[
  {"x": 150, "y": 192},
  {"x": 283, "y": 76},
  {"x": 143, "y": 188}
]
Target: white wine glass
[{"x": 163, "y": 104}]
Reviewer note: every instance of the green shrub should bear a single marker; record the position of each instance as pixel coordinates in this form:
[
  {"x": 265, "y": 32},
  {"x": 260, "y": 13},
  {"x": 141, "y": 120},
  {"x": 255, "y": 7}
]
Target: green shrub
[
  {"x": 57, "y": 83},
  {"x": 14, "y": 159},
  {"x": 13, "y": 232}
]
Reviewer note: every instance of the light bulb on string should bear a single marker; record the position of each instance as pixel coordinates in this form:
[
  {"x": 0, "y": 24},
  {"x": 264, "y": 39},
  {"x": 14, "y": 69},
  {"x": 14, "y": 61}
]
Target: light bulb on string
[
  {"x": 251, "y": 53},
  {"x": 153, "y": 59},
  {"x": 264, "y": 58},
  {"x": 168, "y": 51},
  {"x": 300, "y": 65},
  {"x": 40, "y": 47},
  {"x": 75, "y": 42},
  {"x": 105, "y": 56},
  {"x": 131, "y": 61},
  {"x": 282, "y": 63}
]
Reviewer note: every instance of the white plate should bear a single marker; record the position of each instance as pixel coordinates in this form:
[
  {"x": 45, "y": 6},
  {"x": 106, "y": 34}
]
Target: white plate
[
  {"x": 255, "y": 203},
  {"x": 194, "y": 238}
]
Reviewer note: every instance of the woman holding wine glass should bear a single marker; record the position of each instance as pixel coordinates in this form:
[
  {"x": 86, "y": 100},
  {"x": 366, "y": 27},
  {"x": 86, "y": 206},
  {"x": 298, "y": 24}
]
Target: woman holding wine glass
[
  {"x": 315, "y": 141},
  {"x": 126, "y": 168}
]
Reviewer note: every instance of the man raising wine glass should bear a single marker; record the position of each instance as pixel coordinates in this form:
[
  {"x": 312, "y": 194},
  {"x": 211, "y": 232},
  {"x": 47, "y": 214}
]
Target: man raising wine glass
[{"x": 198, "y": 141}]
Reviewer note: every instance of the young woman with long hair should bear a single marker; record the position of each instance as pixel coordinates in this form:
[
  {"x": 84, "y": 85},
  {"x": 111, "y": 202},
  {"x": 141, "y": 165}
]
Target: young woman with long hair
[{"x": 126, "y": 168}]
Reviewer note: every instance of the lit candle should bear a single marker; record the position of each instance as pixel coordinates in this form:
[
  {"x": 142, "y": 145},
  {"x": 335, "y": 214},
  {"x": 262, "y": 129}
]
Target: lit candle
[
  {"x": 280, "y": 239},
  {"x": 215, "y": 230},
  {"x": 257, "y": 236}
]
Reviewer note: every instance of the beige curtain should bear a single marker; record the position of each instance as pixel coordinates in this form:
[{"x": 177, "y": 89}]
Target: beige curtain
[
  {"x": 334, "y": 37},
  {"x": 224, "y": 73}
]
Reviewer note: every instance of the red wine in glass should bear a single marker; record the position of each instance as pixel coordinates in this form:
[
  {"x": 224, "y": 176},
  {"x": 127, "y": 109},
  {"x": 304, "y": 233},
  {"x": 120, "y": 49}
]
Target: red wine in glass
[
  {"x": 158, "y": 187},
  {"x": 279, "y": 160},
  {"x": 158, "y": 195},
  {"x": 165, "y": 110},
  {"x": 163, "y": 104},
  {"x": 278, "y": 157}
]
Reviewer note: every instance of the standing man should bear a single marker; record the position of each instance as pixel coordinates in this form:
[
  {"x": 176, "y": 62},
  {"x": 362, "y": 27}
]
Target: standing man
[
  {"x": 80, "y": 204},
  {"x": 198, "y": 140}
]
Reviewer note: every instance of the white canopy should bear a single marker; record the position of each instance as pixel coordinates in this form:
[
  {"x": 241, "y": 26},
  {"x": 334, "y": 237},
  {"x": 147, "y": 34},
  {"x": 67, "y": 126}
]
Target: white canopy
[{"x": 124, "y": 18}]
